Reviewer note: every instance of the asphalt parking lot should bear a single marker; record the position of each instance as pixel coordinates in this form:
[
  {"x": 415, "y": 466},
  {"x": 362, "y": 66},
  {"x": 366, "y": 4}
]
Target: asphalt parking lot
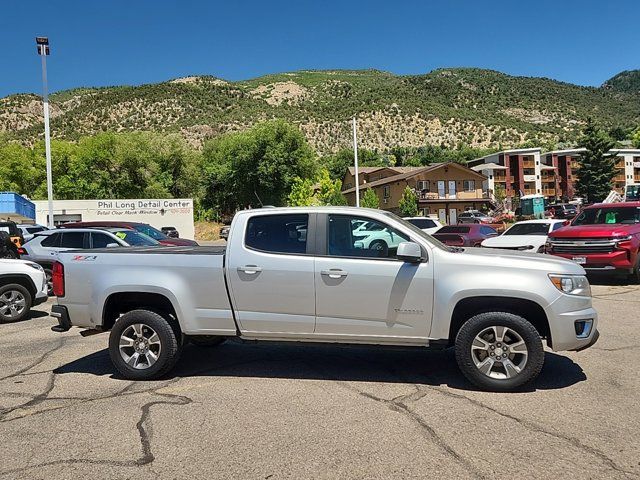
[{"x": 263, "y": 411}]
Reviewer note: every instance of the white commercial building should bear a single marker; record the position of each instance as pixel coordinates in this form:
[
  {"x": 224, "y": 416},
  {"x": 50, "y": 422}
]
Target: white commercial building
[{"x": 157, "y": 212}]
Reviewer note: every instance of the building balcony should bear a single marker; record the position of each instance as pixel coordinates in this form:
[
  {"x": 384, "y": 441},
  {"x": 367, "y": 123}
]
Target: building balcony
[
  {"x": 548, "y": 192},
  {"x": 620, "y": 178},
  {"x": 528, "y": 164},
  {"x": 477, "y": 194}
]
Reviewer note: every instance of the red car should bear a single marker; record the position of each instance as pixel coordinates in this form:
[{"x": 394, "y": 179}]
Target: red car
[
  {"x": 603, "y": 237},
  {"x": 140, "y": 227},
  {"x": 470, "y": 235}
]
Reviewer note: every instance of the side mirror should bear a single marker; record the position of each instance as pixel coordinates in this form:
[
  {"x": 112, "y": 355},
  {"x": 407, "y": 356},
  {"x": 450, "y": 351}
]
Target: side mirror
[
  {"x": 112, "y": 245},
  {"x": 409, "y": 252}
]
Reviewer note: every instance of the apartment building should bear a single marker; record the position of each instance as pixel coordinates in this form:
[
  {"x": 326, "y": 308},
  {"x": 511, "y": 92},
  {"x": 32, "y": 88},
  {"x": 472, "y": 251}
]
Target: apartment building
[{"x": 443, "y": 189}]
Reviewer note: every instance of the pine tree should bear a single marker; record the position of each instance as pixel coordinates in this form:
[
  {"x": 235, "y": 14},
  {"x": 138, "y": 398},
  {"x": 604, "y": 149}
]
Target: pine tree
[
  {"x": 370, "y": 199},
  {"x": 597, "y": 165}
]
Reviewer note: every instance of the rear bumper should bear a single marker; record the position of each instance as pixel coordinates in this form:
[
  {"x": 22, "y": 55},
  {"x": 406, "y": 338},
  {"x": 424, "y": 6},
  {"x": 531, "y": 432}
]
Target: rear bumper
[
  {"x": 41, "y": 299},
  {"x": 62, "y": 315}
]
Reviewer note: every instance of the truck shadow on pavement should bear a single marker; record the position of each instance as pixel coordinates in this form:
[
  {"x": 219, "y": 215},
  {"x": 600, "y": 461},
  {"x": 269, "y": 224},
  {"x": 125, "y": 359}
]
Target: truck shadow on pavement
[{"x": 331, "y": 363}]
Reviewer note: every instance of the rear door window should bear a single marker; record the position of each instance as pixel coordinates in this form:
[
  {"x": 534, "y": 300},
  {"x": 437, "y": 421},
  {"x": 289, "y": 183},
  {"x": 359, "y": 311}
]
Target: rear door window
[
  {"x": 52, "y": 240},
  {"x": 278, "y": 233},
  {"x": 72, "y": 240}
]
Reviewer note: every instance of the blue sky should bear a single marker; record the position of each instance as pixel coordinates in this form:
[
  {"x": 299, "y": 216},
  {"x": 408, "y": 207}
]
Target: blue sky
[{"x": 114, "y": 42}]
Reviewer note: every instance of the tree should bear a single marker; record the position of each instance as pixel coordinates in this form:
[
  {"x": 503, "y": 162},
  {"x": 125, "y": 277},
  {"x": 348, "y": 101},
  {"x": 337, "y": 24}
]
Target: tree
[
  {"x": 370, "y": 199},
  {"x": 635, "y": 138},
  {"x": 301, "y": 194},
  {"x": 408, "y": 204},
  {"x": 329, "y": 191},
  {"x": 256, "y": 166},
  {"x": 500, "y": 195},
  {"x": 597, "y": 165}
]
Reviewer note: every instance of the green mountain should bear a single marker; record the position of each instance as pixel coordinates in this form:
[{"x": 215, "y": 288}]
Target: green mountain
[
  {"x": 480, "y": 108},
  {"x": 627, "y": 81}
]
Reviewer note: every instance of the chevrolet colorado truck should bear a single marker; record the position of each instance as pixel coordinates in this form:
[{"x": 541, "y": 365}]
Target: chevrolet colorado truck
[
  {"x": 304, "y": 275},
  {"x": 603, "y": 237}
]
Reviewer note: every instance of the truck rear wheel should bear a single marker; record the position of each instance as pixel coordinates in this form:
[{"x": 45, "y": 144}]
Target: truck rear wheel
[
  {"x": 143, "y": 345},
  {"x": 499, "y": 351}
]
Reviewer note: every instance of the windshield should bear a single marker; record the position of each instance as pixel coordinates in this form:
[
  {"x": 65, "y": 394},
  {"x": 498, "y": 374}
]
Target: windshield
[
  {"x": 419, "y": 233},
  {"x": 454, "y": 229},
  {"x": 151, "y": 232},
  {"x": 528, "y": 229},
  {"x": 135, "y": 238},
  {"x": 422, "y": 222},
  {"x": 633, "y": 193},
  {"x": 608, "y": 215}
]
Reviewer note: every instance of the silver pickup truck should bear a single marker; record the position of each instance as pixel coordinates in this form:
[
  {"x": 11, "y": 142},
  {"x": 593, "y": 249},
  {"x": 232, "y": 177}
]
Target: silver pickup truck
[{"x": 329, "y": 274}]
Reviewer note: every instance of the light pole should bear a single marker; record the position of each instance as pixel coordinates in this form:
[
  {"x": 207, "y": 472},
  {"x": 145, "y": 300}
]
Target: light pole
[
  {"x": 43, "y": 51},
  {"x": 355, "y": 162}
]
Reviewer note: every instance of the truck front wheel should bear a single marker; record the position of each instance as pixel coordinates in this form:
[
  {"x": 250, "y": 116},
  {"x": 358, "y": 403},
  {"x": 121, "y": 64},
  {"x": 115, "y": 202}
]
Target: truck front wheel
[
  {"x": 499, "y": 351},
  {"x": 143, "y": 345}
]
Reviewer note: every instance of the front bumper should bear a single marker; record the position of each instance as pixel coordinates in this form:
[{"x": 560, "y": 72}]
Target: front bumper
[
  {"x": 617, "y": 260},
  {"x": 41, "y": 299},
  {"x": 64, "y": 323},
  {"x": 563, "y": 315}
]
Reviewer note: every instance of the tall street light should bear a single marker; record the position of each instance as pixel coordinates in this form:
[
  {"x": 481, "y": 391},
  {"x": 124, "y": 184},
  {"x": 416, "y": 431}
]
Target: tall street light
[{"x": 43, "y": 51}]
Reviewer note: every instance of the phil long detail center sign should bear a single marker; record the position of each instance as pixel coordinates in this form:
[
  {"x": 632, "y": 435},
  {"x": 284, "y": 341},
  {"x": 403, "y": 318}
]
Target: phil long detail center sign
[{"x": 116, "y": 208}]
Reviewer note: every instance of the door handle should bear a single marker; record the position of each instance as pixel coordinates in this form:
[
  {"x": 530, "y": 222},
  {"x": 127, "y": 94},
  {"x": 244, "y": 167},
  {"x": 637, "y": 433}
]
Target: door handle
[
  {"x": 334, "y": 273},
  {"x": 250, "y": 269}
]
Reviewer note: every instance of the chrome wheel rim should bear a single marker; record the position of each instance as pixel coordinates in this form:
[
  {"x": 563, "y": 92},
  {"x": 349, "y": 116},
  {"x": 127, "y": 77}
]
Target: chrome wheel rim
[
  {"x": 499, "y": 352},
  {"x": 12, "y": 304},
  {"x": 49, "y": 276},
  {"x": 139, "y": 346}
]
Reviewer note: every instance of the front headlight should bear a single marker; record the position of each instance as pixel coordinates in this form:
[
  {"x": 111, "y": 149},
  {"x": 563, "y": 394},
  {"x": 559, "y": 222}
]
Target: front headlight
[{"x": 572, "y": 284}]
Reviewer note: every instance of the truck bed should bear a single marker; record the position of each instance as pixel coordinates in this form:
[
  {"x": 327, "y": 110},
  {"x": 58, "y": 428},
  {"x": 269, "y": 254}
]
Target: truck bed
[{"x": 162, "y": 250}]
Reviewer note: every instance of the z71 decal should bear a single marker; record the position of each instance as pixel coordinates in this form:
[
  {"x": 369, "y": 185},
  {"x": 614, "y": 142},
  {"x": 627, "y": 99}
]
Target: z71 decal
[{"x": 84, "y": 258}]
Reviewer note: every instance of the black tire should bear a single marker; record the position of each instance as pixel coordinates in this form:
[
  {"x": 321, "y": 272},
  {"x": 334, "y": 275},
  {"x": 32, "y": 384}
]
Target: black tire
[
  {"x": 381, "y": 247},
  {"x": 49, "y": 274},
  {"x": 206, "y": 340},
  {"x": 480, "y": 323},
  {"x": 9, "y": 316},
  {"x": 169, "y": 352}
]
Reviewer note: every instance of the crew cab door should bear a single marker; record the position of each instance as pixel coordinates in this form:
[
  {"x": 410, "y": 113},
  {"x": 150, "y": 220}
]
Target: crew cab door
[
  {"x": 363, "y": 292},
  {"x": 270, "y": 272}
]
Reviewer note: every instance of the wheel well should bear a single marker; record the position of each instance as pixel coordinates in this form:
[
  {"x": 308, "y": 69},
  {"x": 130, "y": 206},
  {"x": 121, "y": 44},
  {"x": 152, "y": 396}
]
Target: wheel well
[
  {"x": 23, "y": 280},
  {"x": 527, "y": 309},
  {"x": 123, "y": 302}
]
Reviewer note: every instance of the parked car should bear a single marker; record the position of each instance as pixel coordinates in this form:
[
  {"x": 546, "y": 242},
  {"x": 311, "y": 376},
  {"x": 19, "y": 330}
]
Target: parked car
[
  {"x": 426, "y": 224},
  {"x": 268, "y": 283},
  {"x": 603, "y": 237},
  {"x": 528, "y": 236},
  {"x": 562, "y": 211},
  {"x": 28, "y": 231},
  {"x": 141, "y": 227},
  {"x": 22, "y": 285},
  {"x": 170, "y": 232},
  {"x": 371, "y": 235},
  {"x": 475, "y": 216},
  {"x": 14, "y": 232},
  {"x": 45, "y": 246},
  {"x": 224, "y": 232},
  {"x": 470, "y": 235}
]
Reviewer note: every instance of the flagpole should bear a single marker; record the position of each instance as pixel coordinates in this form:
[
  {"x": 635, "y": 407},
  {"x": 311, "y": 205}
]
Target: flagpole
[{"x": 355, "y": 159}]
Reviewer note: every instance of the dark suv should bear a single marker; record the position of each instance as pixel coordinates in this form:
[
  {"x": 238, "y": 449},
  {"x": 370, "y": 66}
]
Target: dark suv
[
  {"x": 563, "y": 210},
  {"x": 140, "y": 227}
]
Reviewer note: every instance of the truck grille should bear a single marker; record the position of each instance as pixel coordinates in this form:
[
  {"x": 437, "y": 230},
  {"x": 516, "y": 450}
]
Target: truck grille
[{"x": 585, "y": 245}]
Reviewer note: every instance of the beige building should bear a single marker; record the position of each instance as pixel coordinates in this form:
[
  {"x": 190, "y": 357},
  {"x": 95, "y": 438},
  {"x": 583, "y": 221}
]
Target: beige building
[{"x": 443, "y": 189}]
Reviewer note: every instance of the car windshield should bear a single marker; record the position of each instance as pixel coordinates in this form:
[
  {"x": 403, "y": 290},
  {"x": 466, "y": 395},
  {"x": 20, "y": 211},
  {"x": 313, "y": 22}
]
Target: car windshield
[
  {"x": 633, "y": 193},
  {"x": 150, "y": 231},
  {"x": 454, "y": 229},
  {"x": 135, "y": 238},
  {"x": 419, "y": 233},
  {"x": 422, "y": 222},
  {"x": 608, "y": 215},
  {"x": 528, "y": 229}
]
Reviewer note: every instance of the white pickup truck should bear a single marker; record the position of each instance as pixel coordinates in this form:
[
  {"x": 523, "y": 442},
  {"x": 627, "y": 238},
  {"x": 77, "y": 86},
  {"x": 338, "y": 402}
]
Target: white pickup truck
[{"x": 305, "y": 275}]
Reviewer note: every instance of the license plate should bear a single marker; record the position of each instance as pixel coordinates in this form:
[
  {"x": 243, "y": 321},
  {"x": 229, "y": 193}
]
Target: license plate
[{"x": 580, "y": 260}]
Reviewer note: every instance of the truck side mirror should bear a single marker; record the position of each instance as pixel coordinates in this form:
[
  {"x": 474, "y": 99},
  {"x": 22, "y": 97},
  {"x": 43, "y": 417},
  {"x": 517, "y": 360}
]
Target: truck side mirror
[{"x": 409, "y": 252}]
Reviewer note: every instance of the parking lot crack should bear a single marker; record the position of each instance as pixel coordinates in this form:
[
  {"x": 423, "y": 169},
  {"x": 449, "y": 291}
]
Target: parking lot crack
[
  {"x": 38, "y": 361},
  {"x": 535, "y": 427}
]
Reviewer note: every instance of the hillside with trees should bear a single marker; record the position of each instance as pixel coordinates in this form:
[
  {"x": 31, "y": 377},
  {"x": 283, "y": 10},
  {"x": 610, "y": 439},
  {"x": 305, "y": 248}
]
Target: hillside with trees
[{"x": 446, "y": 107}]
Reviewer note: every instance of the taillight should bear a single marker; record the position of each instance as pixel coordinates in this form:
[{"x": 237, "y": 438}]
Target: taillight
[
  {"x": 57, "y": 276},
  {"x": 22, "y": 251}
]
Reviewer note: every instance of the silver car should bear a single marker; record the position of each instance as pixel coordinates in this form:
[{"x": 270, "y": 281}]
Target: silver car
[
  {"x": 45, "y": 246},
  {"x": 28, "y": 231}
]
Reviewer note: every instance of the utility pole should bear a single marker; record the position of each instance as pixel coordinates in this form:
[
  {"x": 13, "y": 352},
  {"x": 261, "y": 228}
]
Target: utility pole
[
  {"x": 43, "y": 51},
  {"x": 355, "y": 159}
]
